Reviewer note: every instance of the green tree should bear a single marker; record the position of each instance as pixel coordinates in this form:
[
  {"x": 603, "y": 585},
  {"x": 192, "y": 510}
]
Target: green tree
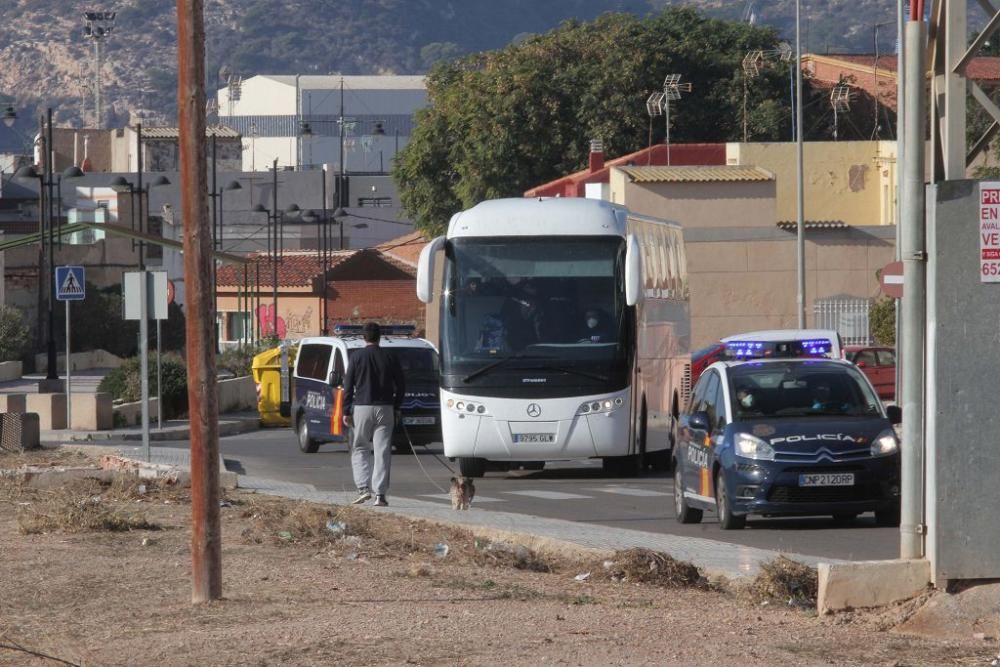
[
  {"x": 14, "y": 334},
  {"x": 503, "y": 121},
  {"x": 882, "y": 320}
]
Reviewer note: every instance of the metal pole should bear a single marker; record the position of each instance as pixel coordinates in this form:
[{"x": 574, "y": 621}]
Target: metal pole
[
  {"x": 900, "y": 161},
  {"x": 144, "y": 362},
  {"x": 159, "y": 375},
  {"x": 914, "y": 302},
  {"x": 800, "y": 238},
  {"x": 69, "y": 375},
  {"x": 277, "y": 249},
  {"x": 53, "y": 373},
  {"x": 206, "y": 535},
  {"x": 666, "y": 104},
  {"x": 325, "y": 252},
  {"x": 138, "y": 168},
  {"x": 216, "y": 212}
]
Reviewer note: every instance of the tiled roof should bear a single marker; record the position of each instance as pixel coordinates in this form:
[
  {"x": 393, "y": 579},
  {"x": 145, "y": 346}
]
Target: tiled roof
[
  {"x": 406, "y": 248},
  {"x": 792, "y": 225},
  {"x": 981, "y": 68},
  {"x": 295, "y": 269},
  {"x": 696, "y": 174},
  {"x": 172, "y": 132}
]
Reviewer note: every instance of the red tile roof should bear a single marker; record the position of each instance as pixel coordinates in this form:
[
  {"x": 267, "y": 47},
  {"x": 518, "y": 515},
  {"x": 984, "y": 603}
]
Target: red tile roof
[
  {"x": 295, "y": 269},
  {"x": 405, "y": 249},
  {"x": 981, "y": 68}
]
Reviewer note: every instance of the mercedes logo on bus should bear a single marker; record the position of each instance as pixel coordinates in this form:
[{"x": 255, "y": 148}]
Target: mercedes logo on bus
[{"x": 534, "y": 410}]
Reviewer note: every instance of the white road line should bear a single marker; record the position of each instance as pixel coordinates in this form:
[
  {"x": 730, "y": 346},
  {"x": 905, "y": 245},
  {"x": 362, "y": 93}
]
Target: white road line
[
  {"x": 628, "y": 491},
  {"x": 476, "y": 500},
  {"x": 549, "y": 495}
]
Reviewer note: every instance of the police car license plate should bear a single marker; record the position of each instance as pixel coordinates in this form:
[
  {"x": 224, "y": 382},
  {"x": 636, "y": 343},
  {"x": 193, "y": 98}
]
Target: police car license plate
[
  {"x": 534, "y": 438},
  {"x": 418, "y": 421},
  {"x": 827, "y": 479}
]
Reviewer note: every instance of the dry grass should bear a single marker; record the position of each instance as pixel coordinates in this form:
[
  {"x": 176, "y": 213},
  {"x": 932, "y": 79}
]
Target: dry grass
[
  {"x": 82, "y": 505},
  {"x": 46, "y": 456},
  {"x": 650, "y": 567},
  {"x": 785, "y": 580}
]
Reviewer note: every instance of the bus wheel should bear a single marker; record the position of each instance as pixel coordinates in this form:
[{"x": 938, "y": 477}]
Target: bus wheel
[
  {"x": 306, "y": 444},
  {"x": 471, "y": 467}
]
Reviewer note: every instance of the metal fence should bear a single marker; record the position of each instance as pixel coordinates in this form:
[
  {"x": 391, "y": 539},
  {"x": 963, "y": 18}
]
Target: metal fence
[{"x": 848, "y": 316}]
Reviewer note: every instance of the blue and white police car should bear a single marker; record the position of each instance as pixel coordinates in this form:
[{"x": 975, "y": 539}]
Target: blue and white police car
[
  {"x": 786, "y": 436},
  {"x": 317, "y": 395}
]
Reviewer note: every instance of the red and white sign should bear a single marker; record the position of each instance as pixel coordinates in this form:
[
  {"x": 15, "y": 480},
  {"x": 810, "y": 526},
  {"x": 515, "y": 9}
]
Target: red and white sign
[
  {"x": 170, "y": 291},
  {"x": 892, "y": 280},
  {"x": 989, "y": 232}
]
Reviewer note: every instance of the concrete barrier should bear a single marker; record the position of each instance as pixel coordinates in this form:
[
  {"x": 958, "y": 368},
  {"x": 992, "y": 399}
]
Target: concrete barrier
[
  {"x": 10, "y": 370},
  {"x": 81, "y": 361},
  {"x": 130, "y": 414},
  {"x": 51, "y": 410},
  {"x": 13, "y": 403},
  {"x": 237, "y": 394},
  {"x": 872, "y": 583},
  {"x": 92, "y": 412}
]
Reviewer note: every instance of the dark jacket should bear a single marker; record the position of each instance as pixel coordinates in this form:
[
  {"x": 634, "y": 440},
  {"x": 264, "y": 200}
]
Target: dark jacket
[{"x": 374, "y": 377}]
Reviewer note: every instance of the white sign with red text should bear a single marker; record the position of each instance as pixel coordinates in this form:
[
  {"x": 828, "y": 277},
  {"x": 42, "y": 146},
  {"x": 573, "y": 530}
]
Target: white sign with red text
[{"x": 989, "y": 232}]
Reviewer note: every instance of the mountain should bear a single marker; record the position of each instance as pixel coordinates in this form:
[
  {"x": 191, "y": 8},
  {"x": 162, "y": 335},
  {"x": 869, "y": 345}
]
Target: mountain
[{"x": 45, "y": 60}]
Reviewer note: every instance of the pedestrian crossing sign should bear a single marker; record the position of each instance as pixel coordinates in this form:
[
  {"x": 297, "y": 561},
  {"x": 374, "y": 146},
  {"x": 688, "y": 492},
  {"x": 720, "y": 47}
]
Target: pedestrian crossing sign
[{"x": 70, "y": 283}]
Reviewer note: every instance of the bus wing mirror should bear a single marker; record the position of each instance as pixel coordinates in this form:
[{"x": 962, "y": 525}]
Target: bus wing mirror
[
  {"x": 425, "y": 270},
  {"x": 633, "y": 271}
]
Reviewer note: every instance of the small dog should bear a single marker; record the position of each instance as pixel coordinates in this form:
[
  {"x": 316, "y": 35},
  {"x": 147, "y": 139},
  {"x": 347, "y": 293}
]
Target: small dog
[{"x": 462, "y": 493}]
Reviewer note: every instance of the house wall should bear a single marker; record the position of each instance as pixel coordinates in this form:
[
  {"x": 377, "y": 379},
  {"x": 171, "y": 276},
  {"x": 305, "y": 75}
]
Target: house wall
[
  {"x": 850, "y": 181},
  {"x": 744, "y": 279},
  {"x": 699, "y": 204},
  {"x": 298, "y": 314},
  {"x": 387, "y": 301}
]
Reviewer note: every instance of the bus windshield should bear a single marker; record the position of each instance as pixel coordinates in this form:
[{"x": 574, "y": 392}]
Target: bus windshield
[{"x": 548, "y": 304}]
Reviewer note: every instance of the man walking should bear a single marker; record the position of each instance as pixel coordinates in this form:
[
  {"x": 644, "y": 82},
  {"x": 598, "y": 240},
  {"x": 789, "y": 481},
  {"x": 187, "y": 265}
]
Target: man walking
[{"x": 373, "y": 393}]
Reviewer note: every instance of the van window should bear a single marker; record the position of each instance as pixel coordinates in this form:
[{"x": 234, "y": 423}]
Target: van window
[{"x": 313, "y": 360}]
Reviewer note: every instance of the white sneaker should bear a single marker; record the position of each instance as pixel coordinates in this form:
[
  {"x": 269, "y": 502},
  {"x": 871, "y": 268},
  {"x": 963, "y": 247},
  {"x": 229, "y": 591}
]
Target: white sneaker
[{"x": 363, "y": 497}]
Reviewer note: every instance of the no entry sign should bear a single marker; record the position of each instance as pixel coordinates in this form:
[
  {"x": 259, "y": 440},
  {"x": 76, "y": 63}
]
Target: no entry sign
[{"x": 989, "y": 232}]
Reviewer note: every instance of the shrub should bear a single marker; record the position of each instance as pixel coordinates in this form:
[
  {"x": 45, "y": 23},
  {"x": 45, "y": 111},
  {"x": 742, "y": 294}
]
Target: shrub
[
  {"x": 123, "y": 383},
  {"x": 14, "y": 334},
  {"x": 882, "y": 317},
  {"x": 238, "y": 360}
]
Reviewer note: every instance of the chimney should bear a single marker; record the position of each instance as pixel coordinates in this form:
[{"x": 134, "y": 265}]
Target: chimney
[{"x": 595, "y": 162}]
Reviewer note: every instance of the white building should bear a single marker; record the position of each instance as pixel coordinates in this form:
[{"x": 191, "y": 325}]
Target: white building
[{"x": 269, "y": 111}]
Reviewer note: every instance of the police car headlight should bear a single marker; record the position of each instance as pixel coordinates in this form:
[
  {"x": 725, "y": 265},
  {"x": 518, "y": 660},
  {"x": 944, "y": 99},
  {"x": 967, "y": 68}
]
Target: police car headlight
[
  {"x": 885, "y": 444},
  {"x": 751, "y": 447}
]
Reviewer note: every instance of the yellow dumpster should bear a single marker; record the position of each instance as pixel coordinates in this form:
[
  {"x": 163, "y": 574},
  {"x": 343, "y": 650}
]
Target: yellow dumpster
[{"x": 271, "y": 391}]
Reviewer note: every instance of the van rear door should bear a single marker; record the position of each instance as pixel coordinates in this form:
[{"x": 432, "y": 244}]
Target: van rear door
[{"x": 313, "y": 394}]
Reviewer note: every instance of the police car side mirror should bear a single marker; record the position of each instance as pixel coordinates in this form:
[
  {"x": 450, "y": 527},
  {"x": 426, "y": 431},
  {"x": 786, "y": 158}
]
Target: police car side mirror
[
  {"x": 698, "y": 421},
  {"x": 335, "y": 379},
  {"x": 895, "y": 414}
]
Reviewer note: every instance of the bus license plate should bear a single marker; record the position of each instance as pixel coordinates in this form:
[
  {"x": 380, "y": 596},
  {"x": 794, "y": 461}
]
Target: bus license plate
[
  {"x": 827, "y": 479},
  {"x": 418, "y": 421},
  {"x": 535, "y": 438}
]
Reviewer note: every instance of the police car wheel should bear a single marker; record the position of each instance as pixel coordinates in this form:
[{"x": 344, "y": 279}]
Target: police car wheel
[
  {"x": 306, "y": 444},
  {"x": 685, "y": 513},
  {"x": 727, "y": 520}
]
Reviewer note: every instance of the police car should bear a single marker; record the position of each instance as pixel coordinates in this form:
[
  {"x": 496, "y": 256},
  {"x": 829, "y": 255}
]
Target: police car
[
  {"x": 786, "y": 436},
  {"x": 317, "y": 387}
]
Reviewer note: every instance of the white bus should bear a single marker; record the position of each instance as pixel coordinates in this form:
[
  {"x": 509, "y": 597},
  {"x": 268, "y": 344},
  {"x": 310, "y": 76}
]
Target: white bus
[{"x": 564, "y": 330}]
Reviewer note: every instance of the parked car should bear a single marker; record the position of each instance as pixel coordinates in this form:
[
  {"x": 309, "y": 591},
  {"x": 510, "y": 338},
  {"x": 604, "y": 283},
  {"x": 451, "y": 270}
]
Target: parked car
[
  {"x": 879, "y": 364},
  {"x": 786, "y": 437}
]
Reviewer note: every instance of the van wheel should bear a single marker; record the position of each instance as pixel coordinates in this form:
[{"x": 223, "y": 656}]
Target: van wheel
[
  {"x": 306, "y": 444},
  {"x": 685, "y": 513},
  {"x": 471, "y": 467},
  {"x": 727, "y": 520}
]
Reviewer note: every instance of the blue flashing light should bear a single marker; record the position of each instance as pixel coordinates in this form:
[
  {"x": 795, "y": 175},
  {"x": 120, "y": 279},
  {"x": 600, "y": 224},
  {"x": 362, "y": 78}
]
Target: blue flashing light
[
  {"x": 745, "y": 349},
  {"x": 386, "y": 329}
]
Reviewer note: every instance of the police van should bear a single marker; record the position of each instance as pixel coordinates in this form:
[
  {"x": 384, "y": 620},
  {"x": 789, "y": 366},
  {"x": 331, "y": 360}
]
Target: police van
[
  {"x": 799, "y": 435},
  {"x": 317, "y": 407}
]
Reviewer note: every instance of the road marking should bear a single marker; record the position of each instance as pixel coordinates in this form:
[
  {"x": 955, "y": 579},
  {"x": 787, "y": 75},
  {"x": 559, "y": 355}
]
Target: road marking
[
  {"x": 447, "y": 497},
  {"x": 628, "y": 491},
  {"x": 549, "y": 495}
]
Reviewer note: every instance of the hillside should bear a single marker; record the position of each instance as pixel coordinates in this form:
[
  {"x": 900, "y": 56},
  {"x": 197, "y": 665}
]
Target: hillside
[{"x": 44, "y": 59}]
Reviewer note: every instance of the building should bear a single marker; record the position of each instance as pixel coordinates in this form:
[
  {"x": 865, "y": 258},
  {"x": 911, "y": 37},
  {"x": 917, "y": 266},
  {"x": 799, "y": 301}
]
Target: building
[
  {"x": 360, "y": 285},
  {"x": 270, "y": 112}
]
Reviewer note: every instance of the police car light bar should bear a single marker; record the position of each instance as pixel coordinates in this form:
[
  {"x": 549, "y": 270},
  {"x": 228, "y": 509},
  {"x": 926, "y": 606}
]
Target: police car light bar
[
  {"x": 745, "y": 349},
  {"x": 386, "y": 329}
]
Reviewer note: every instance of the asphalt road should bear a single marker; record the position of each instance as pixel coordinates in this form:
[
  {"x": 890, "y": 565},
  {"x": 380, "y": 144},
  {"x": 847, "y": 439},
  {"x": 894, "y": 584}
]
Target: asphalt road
[{"x": 575, "y": 492}]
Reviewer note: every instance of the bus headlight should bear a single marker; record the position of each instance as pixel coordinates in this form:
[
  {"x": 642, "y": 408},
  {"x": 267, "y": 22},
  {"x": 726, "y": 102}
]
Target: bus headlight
[
  {"x": 752, "y": 447},
  {"x": 467, "y": 407},
  {"x": 885, "y": 444},
  {"x": 600, "y": 407}
]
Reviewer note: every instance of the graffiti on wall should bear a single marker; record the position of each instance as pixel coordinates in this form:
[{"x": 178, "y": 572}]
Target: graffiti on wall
[
  {"x": 266, "y": 322},
  {"x": 296, "y": 325}
]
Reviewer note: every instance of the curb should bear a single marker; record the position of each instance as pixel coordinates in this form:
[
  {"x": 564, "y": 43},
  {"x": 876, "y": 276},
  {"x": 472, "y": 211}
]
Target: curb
[{"x": 226, "y": 428}]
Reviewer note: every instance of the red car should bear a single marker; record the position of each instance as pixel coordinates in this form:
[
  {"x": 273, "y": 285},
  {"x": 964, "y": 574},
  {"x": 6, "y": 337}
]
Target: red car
[{"x": 879, "y": 364}]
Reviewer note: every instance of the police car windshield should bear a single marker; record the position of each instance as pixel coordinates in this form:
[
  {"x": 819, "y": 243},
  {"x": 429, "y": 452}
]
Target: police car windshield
[
  {"x": 417, "y": 362},
  {"x": 800, "y": 389}
]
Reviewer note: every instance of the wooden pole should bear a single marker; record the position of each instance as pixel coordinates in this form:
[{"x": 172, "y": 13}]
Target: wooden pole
[{"x": 206, "y": 534}]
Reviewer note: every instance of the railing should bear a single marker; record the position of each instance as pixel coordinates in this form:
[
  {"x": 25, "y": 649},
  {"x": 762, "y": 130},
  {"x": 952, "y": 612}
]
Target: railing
[{"x": 848, "y": 316}]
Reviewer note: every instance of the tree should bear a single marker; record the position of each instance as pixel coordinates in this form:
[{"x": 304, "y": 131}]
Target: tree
[
  {"x": 882, "y": 320},
  {"x": 503, "y": 121},
  {"x": 14, "y": 334}
]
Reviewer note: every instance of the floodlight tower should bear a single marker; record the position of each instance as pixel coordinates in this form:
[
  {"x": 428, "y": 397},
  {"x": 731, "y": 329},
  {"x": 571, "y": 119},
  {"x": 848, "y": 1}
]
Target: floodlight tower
[
  {"x": 672, "y": 89},
  {"x": 98, "y": 27}
]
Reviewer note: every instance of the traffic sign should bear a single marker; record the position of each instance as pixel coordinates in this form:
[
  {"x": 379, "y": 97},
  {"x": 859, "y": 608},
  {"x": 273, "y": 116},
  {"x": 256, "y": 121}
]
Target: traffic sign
[
  {"x": 70, "y": 283},
  {"x": 892, "y": 280},
  {"x": 170, "y": 292}
]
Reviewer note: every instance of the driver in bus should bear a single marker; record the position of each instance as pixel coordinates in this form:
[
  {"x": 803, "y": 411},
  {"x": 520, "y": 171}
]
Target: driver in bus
[{"x": 597, "y": 327}]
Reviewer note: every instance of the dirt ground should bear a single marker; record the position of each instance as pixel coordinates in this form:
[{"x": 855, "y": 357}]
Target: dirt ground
[{"x": 97, "y": 575}]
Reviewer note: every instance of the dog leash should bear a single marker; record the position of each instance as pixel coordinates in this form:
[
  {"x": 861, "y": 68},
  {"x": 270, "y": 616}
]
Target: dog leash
[{"x": 422, "y": 469}]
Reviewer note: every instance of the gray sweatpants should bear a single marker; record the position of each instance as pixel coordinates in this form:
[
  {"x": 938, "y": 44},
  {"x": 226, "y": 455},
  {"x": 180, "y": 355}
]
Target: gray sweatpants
[{"x": 372, "y": 426}]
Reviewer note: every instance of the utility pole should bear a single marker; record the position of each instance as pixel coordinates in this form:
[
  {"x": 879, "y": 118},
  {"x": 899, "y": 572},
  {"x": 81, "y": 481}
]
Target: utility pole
[
  {"x": 206, "y": 534},
  {"x": 800, "y": 225},
  {"x": 277, "y": 249}
]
